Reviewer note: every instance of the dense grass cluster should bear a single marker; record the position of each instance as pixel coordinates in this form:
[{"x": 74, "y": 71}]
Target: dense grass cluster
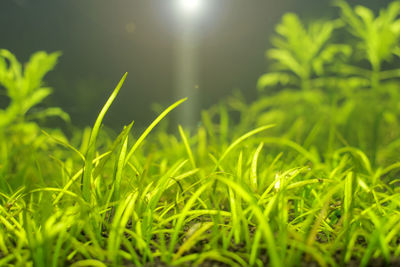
[{"x": 308, "y": 175}]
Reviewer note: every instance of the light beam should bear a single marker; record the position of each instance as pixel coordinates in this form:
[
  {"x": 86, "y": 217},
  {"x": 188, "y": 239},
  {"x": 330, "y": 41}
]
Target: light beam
[{"x": 187, "y": 60}]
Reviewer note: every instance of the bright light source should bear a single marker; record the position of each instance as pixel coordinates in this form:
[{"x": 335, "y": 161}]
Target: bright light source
[{"x": 190, "y": 6}]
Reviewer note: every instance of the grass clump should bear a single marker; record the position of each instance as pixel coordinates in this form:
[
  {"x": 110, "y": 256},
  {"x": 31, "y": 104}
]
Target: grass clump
[{"x": 287, "y": 185}]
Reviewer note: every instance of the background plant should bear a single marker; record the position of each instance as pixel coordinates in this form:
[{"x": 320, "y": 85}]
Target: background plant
[
  {"x": 322, "y": 91},
  {"x": 377, "y": 43},
  {"x": 19, "y": 132}
]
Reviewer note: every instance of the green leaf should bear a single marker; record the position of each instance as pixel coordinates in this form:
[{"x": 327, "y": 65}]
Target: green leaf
[
  {"x": 35, "y": 98},
  {"x": 38, "y": 66},
  {"x": 50, "y": 112},
  {"x": 275, "y": 78},
  {"x": 87, "y": 174}
]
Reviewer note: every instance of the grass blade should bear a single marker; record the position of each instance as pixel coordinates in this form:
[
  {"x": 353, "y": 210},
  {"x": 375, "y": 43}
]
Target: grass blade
[
  {"x": 87, "y": 173},
  {"x": 152, "y": 125}
]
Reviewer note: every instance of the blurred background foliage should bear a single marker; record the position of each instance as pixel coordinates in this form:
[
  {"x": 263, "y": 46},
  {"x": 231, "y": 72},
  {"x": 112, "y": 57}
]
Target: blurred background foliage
[
  {"x": 100, "y": 40},
  {"x": 21, "y": 138},
  {"x": 332, "y": 83}
]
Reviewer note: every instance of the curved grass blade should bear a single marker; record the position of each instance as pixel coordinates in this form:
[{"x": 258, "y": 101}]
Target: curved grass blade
[
  {"x": 183, "y": 215},
  {"x": 152, "y": 125},
  {"x": 259, "y": 214},
  {"x": 239, "y": 140},
  {"x": 192, "y": 239},
  {"x": 87, "y": 173},
  {"x": 253, "y": 174},
  {"x": 65, "y": 144},
  {"x": 187, "y": 147},
  {"x": 121, "y": 163},
  {"x": 122, "y": 215}
]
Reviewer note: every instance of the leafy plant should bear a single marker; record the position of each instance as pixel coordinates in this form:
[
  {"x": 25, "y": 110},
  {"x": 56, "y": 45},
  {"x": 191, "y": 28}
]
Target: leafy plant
[
  {"x": 300, "y": 54},
  {"x": 24, "y": 88},
  {"x": 377, "y": 38},
  {"x": 19, "y": 132},
  {"x": 321, "y": 92}
]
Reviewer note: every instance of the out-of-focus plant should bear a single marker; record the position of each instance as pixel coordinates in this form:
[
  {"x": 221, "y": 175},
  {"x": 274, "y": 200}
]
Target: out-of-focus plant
[
  {"x": 24, "y": 88},
  {"x": 301, "y": 54},
  {"x": 377, "y": 39},
  {"x": 303, "y": 60},
  {"x": 322, "y": 93},
  {"x": 19, "y": 131},
  {"x": 375, "y": 101}
]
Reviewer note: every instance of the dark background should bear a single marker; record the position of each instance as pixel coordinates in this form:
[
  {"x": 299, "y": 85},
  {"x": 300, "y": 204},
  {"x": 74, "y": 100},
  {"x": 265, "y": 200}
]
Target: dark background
[{"x": 102, "y": 39}]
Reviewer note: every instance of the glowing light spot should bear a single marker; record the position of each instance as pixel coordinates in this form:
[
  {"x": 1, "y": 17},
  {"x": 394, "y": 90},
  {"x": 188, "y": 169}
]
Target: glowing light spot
[
  {"x": 278, "y": 184},
  {"x": 190, "y": 6},
  {"x": 278, "y": 181}
]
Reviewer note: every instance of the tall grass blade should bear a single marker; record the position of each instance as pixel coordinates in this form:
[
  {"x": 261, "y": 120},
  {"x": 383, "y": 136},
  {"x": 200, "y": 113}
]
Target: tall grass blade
[
  {"x": 87, "y": 173},
  {"x": 152, "y": 125}
]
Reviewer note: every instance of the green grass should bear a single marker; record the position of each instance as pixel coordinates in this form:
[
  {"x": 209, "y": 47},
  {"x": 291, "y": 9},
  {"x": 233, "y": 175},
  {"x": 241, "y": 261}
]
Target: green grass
[
  {"x": 306, "y": 176},
  {"x": 164, "y": 200}
]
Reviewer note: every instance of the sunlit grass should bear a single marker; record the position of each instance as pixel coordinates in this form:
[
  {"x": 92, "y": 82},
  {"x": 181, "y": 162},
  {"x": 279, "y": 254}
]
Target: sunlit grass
[
  {"x": 239, "y": 205},
  {"x": 306, "y": 189}
]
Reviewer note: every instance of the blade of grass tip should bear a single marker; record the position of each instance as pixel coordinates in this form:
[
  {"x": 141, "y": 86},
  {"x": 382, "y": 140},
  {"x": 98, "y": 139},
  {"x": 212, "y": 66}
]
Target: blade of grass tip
[
  {"x": 377, "y": 239},
  {"x": 153, "y": 197},
  {"x": 348, "y": 197},
  {"x": 215, "y": 255},
  {"x": 130, "y": 249},
  {"x": 201, "y": 143},
  {"x": 192, "y": 239},
  {"x": 74, "y": 178},
  {"x": 253, "y": 174},
  {"x": 121, "y": 218},
  {"x": 263, "y": 223},
  {"x": 121, "y": 163},
  {"x": 390, "y": 168},
  {"x": 89, "y": 262},
  {"x": 324, "y": 205},
  {"x": 241, "y": 139},
  {"x": 115, "y": 147},
  {"x": 349, "y": 248},
  {"x": 58, "y": 247},
  {"x": 223, "y": 124},
  {"x": 394, "y": 230},
  {"x": 187, "y": 146},
  {"x": 6, "y": 261},
  {"x": 65, "y": 144},
  {"x": 180, "y": 177},
  {"x": 361, "y": 156},
  {"x": 207, "y": 122},
  {"x": 152, "y": 125},
  {"x": 239, "y": 169},
  {"x": 120, "y": 167},
  {"x": 235, "y": 221},
  {"x": 300, "y": 149},
  {"x": 187, "y": 258},
  {"x": 254, "y": 248},
  {"x": 184, "y": 213},
  {"x": 3, "y": 246},
  {"x": 236, "y": 202},
  {"x": 85, "y": 140},
  {"x": 87, "y": 173}
]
